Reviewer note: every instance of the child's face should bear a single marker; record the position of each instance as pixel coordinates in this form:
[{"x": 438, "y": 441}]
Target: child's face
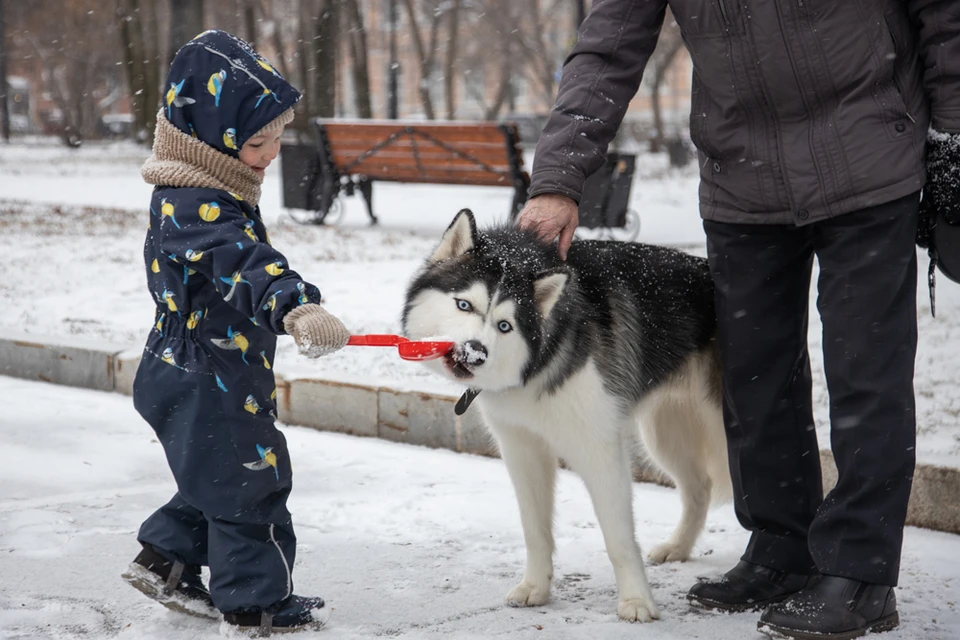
[{"x": 258, "y": 152}]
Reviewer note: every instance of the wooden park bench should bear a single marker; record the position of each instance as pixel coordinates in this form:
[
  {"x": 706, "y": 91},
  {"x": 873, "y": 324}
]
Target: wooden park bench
[{"x": 352, "y": 155}]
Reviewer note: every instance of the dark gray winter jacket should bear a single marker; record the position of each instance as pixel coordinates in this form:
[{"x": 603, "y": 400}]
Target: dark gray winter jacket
[{"x": 801, "y": 109}]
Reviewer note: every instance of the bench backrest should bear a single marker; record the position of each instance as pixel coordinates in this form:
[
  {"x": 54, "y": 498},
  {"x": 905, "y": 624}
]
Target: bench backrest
[{"x": 473, "y": 153}]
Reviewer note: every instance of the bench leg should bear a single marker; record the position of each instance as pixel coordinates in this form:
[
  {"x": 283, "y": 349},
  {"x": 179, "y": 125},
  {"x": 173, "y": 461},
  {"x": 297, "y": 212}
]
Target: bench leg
[
  {"x": 366, "y": 190},
  {"x": 519, "y": 199},
  {"x": 329, "y": 191}
]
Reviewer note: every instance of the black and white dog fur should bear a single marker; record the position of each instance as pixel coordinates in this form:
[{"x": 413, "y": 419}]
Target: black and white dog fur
[{"x": 571, "y": 358}]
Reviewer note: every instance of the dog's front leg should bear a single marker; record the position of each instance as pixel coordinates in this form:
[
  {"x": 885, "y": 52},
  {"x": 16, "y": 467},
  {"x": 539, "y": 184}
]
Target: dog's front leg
[
  {"x": 604, "y": 465},
  {"x": 533, "y": 471}
]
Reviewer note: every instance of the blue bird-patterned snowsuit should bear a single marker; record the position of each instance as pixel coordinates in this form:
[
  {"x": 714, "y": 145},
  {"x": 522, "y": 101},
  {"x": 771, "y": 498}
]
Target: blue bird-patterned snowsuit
[{"x": 205, "y": 383}]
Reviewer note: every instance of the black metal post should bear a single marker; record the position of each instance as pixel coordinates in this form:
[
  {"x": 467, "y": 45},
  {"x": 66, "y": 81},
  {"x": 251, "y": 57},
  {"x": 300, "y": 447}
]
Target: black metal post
[
  {"x": 4, "y": 98},
  {"x": 392, "y": 71}
]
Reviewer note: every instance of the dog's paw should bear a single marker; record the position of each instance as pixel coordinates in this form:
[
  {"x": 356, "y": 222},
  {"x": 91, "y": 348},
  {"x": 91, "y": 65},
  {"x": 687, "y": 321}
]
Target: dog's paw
[
  {"x": 668, "y": 552},
  {"x": 527, "y": 594},
  {"x": 638, "y": 610}
]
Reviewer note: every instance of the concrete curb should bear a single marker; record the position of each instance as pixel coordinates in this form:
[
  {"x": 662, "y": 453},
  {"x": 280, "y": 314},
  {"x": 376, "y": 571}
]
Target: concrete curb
[{"x": 381, "y": 412}]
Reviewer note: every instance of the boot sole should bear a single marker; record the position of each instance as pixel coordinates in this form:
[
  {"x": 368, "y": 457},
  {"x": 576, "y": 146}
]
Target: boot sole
[
  {"x": 231, "y": 630},
  {"x": 150, "y": 585},
  {"x": 889, "y": 623},
  {"x": 716, "y": 605}
]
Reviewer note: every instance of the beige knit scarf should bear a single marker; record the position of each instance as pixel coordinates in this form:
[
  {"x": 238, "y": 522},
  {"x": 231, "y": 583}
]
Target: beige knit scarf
[{"x": 180, "y": 160}]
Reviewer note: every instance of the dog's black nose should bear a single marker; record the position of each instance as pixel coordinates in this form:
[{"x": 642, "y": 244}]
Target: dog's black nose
[{"x": 474, "y": 352}]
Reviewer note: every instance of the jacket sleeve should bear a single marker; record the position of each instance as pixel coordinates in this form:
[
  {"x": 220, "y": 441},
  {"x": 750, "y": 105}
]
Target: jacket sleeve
[
  {"x": 249, "y": 274},
  {"x": 938, "y": 27},
  {"x": 600, "y": 77}
]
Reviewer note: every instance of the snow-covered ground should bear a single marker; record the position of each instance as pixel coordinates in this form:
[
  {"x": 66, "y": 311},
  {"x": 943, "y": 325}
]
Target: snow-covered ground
[
  {"x": 401, "y": 541},
  {"x": 72, "y": 226}
]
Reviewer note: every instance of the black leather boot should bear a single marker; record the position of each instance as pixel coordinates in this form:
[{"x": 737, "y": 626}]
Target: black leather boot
[
  {"x": 745, "y": 587},
  {"x": 832, "y": 608}
]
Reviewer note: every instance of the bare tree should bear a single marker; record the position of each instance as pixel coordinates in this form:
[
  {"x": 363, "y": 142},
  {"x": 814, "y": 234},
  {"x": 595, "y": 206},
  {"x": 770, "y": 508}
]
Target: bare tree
[
  {"x": 426, "y": 51},
  {"x": 4, "y": 106},
  {"x": 449, "y": 67},
  {"x": 73, "y": 58},
  {"x": 272, "y": 23},
  {"x": 250, "y": 21},
  {"x": 325, "y": 44},
  {"x": 186, "y": 21},
  {"x": 357, "y": 38},
  {"x": 668, "y": 45},
  {"x": 304, "y": 61},
  {"x": 141, "y": 65},
  {"x": 541, "y": 53},
  {"x": 499, "y": 18}
]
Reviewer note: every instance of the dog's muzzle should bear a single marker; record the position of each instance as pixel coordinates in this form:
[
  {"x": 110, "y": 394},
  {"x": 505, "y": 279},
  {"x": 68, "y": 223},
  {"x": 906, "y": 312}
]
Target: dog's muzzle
[{"x": 465, "y": 357}]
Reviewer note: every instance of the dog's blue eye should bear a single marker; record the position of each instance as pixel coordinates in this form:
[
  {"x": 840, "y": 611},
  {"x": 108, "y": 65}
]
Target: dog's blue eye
[
  {"x": 504, "y": 326},
  {"x": 463, "y": 305}
]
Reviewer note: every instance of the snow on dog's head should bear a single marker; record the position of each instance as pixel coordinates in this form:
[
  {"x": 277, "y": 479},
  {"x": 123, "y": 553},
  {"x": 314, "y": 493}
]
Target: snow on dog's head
[{"x": 495, "y": 294}]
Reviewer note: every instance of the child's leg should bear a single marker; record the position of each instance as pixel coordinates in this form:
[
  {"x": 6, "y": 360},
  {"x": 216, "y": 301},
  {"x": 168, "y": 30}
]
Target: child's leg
[
  {"x": 231, "y": 464},
  {"x": 177, "y": 530},
  {"x": 251, "y": 564}
]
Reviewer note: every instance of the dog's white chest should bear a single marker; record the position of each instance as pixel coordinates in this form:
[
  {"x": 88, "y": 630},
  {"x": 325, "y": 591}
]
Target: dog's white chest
[{"x": 581, "y": 400}]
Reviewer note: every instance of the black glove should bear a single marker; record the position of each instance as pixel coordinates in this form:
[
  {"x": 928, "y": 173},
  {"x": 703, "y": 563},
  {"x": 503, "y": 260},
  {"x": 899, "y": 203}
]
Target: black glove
[
  {"x": 940, "y": 203},
  {"x": 941, "y": 194}
]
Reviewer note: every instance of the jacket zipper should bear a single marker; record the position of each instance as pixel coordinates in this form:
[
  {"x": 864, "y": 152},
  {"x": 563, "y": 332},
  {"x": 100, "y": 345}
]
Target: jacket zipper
[{"x": 723, "y": 12}]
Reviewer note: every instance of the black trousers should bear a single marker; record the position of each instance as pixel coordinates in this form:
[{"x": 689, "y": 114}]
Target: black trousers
[{"x": 867, "y": 303}]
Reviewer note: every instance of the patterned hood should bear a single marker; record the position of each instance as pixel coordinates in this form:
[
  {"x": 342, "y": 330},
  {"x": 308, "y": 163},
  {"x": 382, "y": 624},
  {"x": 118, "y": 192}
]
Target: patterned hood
[{"x": 221, "y": 91}]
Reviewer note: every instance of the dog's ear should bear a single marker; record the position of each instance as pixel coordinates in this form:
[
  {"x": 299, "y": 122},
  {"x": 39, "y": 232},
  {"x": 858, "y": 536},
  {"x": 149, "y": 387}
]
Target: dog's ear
[
  {"x": 460, "y": 237},
  {"x": 547, "y": 289}
]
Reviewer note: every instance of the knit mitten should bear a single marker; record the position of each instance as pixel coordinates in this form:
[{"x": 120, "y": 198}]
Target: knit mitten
[
  {"x": 941, "y": 194},
  {"x": 316, "y": 332}
]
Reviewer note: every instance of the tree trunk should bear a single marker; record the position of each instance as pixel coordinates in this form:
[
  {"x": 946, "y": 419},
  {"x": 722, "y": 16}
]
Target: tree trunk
[
  {"x": 305, "y": 19},
  {"x": 541, "y": 55},
  {"x": 503, "y": 92},
  {"x": 154, "y": 77},
  {"x": 250, "y": 22},
  {"x": 186, "y": 21},
  {"x": 4, "y": 99},
  {"x": 280, "y": 60},
  {"x": 325, "y": 59},
  {"x": 425, "y": 55},
  {"x": 660, "y": 63},
  {"x": 358, "y": 59},
  {"x": 449, "y": 72},
  {"x": 134, "y": 57}
]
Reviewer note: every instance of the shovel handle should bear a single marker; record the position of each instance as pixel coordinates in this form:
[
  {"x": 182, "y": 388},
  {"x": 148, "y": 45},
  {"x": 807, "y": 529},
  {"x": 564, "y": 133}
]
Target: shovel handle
[{"x": 376, "y": 340}]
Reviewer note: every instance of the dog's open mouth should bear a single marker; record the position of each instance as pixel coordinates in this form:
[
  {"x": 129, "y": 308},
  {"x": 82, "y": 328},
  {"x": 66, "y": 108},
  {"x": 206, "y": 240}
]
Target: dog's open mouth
[{"x": 457, "y": 367}]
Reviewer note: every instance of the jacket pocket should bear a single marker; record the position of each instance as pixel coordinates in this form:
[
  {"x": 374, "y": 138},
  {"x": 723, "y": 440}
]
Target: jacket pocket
[
  {"x": 888, "y": 88},
  {"x": 709, "y": 18},
  {"x": 700, "y": 121}
]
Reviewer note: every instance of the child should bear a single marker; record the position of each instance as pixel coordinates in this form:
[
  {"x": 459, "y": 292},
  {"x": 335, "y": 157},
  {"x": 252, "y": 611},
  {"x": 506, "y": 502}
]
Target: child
[{"x": 205, "y": 382}]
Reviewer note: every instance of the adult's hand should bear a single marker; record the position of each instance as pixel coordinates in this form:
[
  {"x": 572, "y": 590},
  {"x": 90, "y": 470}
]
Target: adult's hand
[{"x": 551, "y": 215}]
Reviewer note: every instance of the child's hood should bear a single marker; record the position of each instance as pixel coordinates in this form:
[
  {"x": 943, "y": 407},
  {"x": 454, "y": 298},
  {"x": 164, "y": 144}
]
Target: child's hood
[{"x": 222, "y": 91}]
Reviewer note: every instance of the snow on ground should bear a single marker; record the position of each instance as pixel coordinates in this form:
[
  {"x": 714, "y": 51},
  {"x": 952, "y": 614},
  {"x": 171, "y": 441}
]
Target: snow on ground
[
  {"x": 402, "y": 541},
  {"x": 74, "y": 268}
]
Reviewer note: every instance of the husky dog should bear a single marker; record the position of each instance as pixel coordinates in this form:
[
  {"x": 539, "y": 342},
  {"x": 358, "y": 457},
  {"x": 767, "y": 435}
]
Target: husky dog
[{"x": 567, "y": 361}]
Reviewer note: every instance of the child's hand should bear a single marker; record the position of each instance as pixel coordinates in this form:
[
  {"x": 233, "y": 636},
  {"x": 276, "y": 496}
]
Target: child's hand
[{"x": 316, "y": 332}]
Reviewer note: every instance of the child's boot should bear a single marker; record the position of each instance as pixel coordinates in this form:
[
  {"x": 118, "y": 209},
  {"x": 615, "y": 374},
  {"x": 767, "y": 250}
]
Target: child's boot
[
  {"x": 296, "y": 613},
  {"x": 173, "y": 584}
]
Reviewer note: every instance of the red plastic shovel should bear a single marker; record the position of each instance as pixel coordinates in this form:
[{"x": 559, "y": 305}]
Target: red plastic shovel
[{"x": 408, "y": 349}]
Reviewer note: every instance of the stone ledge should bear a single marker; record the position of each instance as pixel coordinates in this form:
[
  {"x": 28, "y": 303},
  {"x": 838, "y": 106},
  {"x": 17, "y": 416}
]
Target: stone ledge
[{"x": 400, "y": 416}]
